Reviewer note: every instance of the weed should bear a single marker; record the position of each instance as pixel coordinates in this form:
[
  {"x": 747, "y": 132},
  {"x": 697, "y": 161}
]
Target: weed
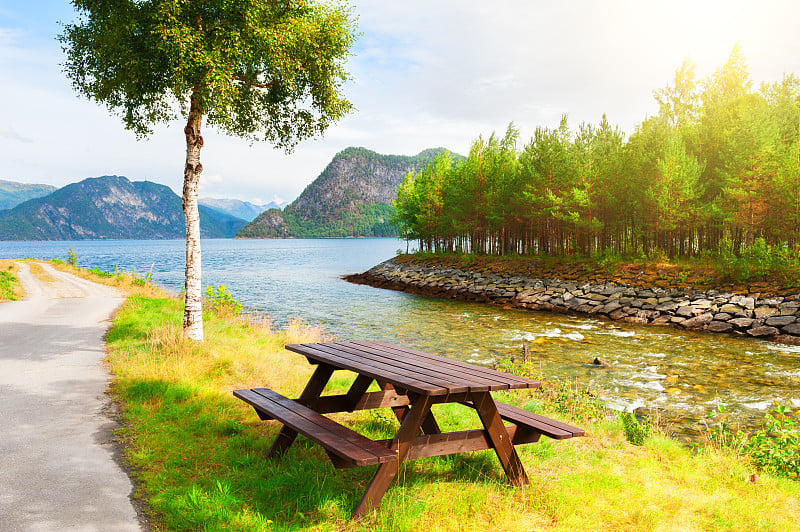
[
  {"x": 72, "y": 258},
  {"x": 776, "y": 447},
  {"x": 222, "y": 301},
  {"x": 636, "y": 432}
]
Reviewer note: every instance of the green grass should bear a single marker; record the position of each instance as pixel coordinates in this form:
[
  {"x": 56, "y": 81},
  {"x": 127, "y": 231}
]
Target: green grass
[{"x": 199, "y": 453}]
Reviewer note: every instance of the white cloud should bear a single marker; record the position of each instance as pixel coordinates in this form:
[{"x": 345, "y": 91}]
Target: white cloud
[{"x": 432, "y": 73}]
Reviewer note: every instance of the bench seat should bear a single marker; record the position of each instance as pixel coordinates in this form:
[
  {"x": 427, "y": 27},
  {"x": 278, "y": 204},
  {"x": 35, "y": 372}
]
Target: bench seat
[
  {"x": 349, "y": 447},
  {"x": 544, "y": 425}
]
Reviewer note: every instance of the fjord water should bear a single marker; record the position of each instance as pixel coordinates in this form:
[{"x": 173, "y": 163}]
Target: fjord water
[{"x": 682, "y": 373}]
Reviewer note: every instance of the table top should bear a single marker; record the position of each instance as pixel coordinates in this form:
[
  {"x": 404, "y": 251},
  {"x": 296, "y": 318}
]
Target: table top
[{"x": 409, "y": 369}]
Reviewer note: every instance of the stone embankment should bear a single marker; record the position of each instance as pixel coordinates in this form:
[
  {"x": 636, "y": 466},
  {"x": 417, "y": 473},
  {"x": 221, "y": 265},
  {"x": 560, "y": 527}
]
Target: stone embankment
[{"x": 774, "y": 317}]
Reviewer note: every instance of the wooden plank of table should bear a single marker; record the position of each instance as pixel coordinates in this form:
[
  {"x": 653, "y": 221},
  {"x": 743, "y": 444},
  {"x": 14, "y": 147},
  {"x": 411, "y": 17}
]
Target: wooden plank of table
[
  {"x": 403, "y": 379},
  {"x": 424, "y": 366},
  {"x": 455, "y": 383},
  {"x": 514, "y": 381},
  {"x": 461, "y": 442},
  {"x": 326, "y": 432},
  {"x": 369, "y": 401},
  {"x": 497, "y": 380}
]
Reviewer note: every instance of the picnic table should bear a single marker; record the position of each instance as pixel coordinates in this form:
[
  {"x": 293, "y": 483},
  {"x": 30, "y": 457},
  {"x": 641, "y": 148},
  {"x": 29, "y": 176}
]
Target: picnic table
[{"x": 410, "y": 382}]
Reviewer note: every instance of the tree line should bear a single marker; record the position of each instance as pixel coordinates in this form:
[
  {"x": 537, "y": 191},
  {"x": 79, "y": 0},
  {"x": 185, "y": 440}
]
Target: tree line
[{"x": 717, "y": 168}]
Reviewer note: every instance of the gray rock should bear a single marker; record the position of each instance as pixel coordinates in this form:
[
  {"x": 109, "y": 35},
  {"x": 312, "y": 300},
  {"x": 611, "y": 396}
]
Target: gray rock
[
  {"x": 780, "y": 321},
  {"x": 742, "y": 323},
  {"x": 663, "y": 320},
  {"x": 676, "y": 319},
  {"x": 667, "y": 306},
  {"x": 686, "y": 312},
  {"x": 794, "y": 329},
  {"x": 719, "y": 326},
  {"x": 701, "y": 303},
  {"x": 765, "y": 311},
  {"x": 730, "y": 309},
  {"x": 618, "y": 314},
  {"x": 611, "y": 307},
  {"x": 763, "y": 331},
  {"x": 748, "y": 303},
  {"x": 698, "y": 322},
  {"x": 722, "y": 316}
]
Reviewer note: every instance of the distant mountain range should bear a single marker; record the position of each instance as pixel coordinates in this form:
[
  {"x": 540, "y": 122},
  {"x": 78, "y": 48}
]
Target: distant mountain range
[
  {"x": 244, "y": 210},
  {"x": 12, "y": 194},
  {"x": 109, "y": 207},
  {"x": 352, "y": 197}
]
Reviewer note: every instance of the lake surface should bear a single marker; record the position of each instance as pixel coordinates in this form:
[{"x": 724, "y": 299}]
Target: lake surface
[{"x": 685, "y": 374}]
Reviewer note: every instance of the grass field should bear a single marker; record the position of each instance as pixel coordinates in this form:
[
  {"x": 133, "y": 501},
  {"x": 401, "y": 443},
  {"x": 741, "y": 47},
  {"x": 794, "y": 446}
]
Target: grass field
[{"x": 199, "y": 453}]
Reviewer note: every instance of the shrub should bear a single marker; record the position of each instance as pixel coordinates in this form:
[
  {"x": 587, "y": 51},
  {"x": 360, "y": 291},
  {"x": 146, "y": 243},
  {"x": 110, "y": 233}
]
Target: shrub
[
  {"x": 222, "y": 301},
  {"x": 636, "y": 432},
  {"x": 72, "y": 258},
  {"x": 776, "y": 447}
]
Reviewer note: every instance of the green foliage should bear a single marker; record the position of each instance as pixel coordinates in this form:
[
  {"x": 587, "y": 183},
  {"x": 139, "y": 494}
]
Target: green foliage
[
  {"x": 758, "y": 260},
  {"x": 222, "y": 301},
  {"x": 72, "y": 258},
  {"x": 776, "y": 447},
  {"x": 260, "y": 69},
  {"x": 100, "y": 273},
  {"x": 8, "y": 284},
  {"x": 56, "y": 260},
  {"x": 717, "y": 168},
  {"x": 636, "y": 432}
]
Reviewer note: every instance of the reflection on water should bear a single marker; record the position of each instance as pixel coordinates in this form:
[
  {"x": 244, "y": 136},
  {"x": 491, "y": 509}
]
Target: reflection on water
[{"x": 686, "y": 374}]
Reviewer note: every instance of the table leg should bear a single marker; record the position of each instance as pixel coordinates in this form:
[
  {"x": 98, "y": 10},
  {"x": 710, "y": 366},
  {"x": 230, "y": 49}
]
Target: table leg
[
  {"x": 310, "y": 394},
  {"x": 410, "y": 427},
  {"x": 429, "y": 425},
  {"x": 498, "y": 435}
]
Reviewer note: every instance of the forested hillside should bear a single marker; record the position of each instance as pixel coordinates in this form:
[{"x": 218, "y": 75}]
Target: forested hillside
[
  {"x": 351, "y": 197},
  {"x": 717, "y": 169}
]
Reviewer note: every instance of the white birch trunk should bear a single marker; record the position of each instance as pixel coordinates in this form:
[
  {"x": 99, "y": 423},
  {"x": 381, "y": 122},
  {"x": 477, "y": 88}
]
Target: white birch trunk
[{"x": 193, "y": 299}]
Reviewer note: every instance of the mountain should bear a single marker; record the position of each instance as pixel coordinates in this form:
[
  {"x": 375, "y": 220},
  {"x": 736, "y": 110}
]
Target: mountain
[
  {"x": 108, "y": 207},
  {"x": 12, "y": 193},
  {"x": 352, "y": 197},
  {"x": 244, "y": 210}
]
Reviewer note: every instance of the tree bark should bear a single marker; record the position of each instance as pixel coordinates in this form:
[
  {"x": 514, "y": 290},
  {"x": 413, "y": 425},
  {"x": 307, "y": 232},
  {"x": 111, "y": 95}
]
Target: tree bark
[{"x": 193, "y": 298}]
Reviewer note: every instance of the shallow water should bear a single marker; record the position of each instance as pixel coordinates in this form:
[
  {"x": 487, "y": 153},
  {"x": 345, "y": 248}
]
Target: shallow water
[{"x": 686, "y": 374}]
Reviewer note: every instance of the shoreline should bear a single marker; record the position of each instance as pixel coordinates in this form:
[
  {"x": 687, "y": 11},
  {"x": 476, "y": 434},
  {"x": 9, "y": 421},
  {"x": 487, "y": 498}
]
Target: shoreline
[{"x": 757, "y": 310}]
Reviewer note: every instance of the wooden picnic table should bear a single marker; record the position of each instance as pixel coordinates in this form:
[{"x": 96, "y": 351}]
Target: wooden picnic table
[{"x": 410, "y": 382}]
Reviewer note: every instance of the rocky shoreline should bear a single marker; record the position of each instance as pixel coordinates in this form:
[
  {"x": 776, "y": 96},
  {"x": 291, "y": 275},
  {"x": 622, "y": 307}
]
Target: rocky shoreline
[{"x": 754, "y": 314}]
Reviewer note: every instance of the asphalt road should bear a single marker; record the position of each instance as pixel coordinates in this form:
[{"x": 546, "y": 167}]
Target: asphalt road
[{"x": 59, "y": 468}]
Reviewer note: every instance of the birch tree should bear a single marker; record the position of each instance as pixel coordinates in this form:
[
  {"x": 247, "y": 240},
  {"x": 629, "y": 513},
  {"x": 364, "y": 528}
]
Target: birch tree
[{"x": 263, "y": 70}]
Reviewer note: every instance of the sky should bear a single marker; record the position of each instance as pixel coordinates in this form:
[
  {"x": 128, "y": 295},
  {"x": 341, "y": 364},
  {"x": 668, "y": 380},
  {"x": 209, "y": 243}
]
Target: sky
[{"x": 425, "y": 74}]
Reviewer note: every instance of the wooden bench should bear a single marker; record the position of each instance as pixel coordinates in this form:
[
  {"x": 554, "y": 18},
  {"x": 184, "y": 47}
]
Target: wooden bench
[
  {"x": 350, "y": 448},
  {"x": 538, "y": 423}
]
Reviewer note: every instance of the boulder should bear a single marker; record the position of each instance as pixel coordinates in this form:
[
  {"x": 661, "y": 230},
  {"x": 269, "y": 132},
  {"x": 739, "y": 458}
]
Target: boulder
[
  {"x": 780, "y": 321},
  {"x": 686, "y": 312},
  {"x": 763, "y": 331},
  {"x": 765, "y": 311},
  {"x": 719, "y": 326},
  {"x": 794, "y": 329},
  {"x": 742, "y": 323},
  {"x": 698, "y": 322},
  {"x": 731, "y": 309}
]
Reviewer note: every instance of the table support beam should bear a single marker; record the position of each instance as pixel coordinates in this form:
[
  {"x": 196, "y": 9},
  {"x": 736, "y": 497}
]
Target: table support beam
[
  {"x": 502, "y": 443},
  {"x": 310, "y": 394},
  {"x": 402, "y": 443}
]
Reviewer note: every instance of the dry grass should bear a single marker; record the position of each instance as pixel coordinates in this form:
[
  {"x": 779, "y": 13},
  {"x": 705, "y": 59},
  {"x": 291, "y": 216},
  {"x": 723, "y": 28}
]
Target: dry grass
[{"x": 39, "y": 272}]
